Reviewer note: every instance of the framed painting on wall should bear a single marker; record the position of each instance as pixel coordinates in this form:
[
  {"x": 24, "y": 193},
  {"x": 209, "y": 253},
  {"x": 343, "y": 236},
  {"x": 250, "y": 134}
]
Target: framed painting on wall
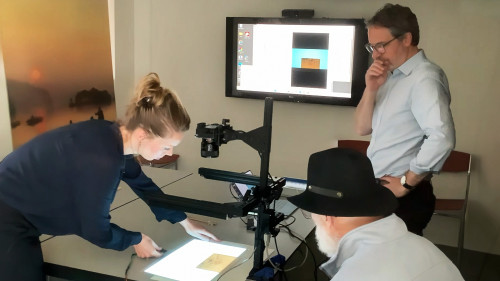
[{"x": 58, "y": 64}]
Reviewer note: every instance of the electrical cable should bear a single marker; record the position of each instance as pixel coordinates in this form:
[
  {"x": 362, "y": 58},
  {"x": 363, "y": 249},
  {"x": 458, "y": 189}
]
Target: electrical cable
[
  {"x": 129, "y": 264},
  {"x": 277, "y": 249},
  {"x": 312, "y": 255},
  {"x": 270, "y": 177},
  {"x": 245, "y": 222},
  {"x": 276, "y": 244},
  {"x": 289, "y": 269},
  {"x": 232, "y": 194},
  {"x": 242, "y": 262},
  {"x": 231, "y": 191},
  {"x": 308, "y": 250},
  {"x": 287, "y": 217}
]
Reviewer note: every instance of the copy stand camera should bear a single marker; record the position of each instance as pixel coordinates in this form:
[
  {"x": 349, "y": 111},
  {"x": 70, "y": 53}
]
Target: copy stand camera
[{"x": 259, "y": 197}]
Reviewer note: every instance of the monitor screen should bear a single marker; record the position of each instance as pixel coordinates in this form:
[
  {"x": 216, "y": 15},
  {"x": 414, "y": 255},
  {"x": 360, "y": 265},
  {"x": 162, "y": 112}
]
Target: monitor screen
[{"x": 298, "y": 60}]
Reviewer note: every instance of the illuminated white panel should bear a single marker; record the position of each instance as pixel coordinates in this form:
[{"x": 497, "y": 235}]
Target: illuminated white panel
[{"x": 184, "y": 263}]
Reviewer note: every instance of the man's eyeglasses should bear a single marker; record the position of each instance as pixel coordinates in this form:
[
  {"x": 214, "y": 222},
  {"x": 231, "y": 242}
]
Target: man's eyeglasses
[{"x": 379, "y": 47}]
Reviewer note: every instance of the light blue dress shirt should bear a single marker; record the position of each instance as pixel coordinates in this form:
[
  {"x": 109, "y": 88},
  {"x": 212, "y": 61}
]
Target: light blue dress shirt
[
  {"x": 412, "y": 125},
  {"x": 384, "y": 250}
]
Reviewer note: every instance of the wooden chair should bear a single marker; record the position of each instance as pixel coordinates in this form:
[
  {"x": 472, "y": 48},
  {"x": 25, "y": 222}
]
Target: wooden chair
[
  {"x": 457, "y": 162},
  {"x": 164, "y": 162},
  {"x": 358, "y": 145}
]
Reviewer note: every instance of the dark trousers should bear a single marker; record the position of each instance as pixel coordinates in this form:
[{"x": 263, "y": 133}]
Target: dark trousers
[
  {"x": 20, "y": 251},
  {"x": 416, "y": 208}
]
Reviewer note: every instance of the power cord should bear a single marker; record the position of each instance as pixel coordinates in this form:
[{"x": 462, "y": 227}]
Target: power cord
[
  {"x": 240, "y": 263},
  {"x": 129, "y": 264},
  {"x": 276, "y": 244},
  {"x": 308, "y": 249},
  {"x": 245, "y": 222},
  {"x": 231, "y": 191},
  {"x": 287, "y": 217},
  {"x": 290, "y": 269},
  {"x": 282, "y": 272}
]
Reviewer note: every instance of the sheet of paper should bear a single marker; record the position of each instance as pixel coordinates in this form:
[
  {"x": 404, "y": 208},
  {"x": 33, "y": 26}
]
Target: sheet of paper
[{"x": 216, "y": 262}]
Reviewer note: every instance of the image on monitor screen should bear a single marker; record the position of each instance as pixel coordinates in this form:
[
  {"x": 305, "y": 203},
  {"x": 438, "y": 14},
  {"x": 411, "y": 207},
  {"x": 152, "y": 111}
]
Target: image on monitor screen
[
  {"x": 309, "y": 60},
  {"x": 298, "y": 60}
]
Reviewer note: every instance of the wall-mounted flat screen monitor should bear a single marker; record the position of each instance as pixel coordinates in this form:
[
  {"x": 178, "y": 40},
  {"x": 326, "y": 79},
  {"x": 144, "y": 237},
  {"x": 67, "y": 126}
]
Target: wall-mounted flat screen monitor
[{"x": 312, "y": 60}]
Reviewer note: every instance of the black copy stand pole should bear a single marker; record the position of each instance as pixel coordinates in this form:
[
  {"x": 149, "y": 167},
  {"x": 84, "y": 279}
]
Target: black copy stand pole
[{"x": 262, "y": 217}]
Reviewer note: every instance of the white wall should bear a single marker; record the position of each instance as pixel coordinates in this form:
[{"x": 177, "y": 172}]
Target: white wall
[
  {"x": 124, "y": 54},
  {"x": 6, "y": 135}
]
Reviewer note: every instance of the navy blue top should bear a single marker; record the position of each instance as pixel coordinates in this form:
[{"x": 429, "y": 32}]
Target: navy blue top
[{"x": 64, "y": 181}]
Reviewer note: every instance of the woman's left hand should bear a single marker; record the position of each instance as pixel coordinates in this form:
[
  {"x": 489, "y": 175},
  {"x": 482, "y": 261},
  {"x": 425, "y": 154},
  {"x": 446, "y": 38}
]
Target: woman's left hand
[{"x": 194, "y": 229}]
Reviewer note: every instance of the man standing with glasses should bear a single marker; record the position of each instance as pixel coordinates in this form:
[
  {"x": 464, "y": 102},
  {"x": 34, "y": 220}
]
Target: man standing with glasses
[{"x": 406, "y": 109}]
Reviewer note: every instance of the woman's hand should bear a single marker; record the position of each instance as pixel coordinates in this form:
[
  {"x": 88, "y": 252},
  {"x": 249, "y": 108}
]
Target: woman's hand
[
  {"x": 147, "y": 248},
  {"x": 198, "y": 231}
]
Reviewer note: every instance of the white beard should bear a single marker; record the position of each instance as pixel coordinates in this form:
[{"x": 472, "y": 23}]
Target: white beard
[{"x": 326, "y": 243}]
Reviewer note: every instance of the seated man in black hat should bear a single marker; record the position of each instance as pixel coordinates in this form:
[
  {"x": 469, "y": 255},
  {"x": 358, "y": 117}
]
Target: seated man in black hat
[{"x": 356, "y": 226}]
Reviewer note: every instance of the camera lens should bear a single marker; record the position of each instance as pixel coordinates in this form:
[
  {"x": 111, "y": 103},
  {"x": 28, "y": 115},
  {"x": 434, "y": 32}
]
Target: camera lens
[{"x": 209, "y": 149}]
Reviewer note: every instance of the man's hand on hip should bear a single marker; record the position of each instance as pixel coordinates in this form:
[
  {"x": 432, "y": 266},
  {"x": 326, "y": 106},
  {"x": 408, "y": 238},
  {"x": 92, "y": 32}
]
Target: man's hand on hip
[{"x": 394, "y": 185}]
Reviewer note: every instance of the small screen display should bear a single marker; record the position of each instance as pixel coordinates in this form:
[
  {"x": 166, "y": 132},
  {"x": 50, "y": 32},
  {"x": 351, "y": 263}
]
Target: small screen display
[{"x": 241, "y": 188}]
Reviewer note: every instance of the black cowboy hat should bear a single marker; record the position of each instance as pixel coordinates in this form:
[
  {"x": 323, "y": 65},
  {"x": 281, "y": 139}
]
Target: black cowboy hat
[{"x": 341, "y": 183}]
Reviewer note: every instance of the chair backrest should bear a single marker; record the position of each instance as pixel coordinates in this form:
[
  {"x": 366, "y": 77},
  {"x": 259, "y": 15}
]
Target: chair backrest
[
  {"x": 457, "y": 161},
  {"x": 358, "y": 145}
]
